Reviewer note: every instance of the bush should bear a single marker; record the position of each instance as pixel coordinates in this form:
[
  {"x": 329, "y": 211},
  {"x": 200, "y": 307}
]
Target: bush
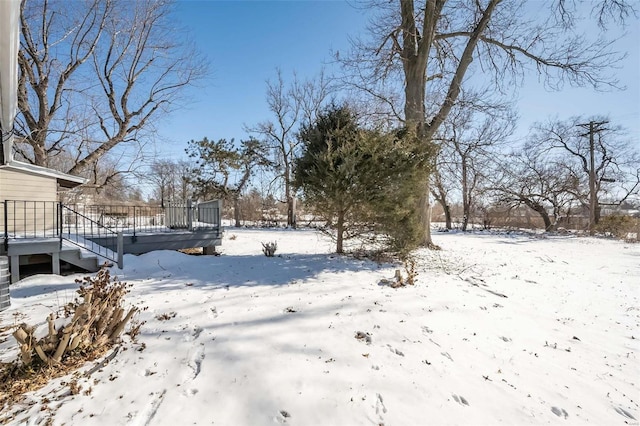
[
  {"x": 619, "y": 226},
  {"x": 269, "y": 249},
  {"x": 93, "y": 324}
]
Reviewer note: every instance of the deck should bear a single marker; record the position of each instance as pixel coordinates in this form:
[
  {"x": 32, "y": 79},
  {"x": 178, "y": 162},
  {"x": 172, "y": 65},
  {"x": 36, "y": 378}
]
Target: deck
[{"x": 90, "y": 235}]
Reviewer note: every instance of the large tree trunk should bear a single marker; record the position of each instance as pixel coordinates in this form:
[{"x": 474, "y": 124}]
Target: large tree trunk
[
  {"x": 466, "y": 208},
  {"x": 440, "y": 195},
  {"x": 447, "y": 211},
  {"x": 548, "y": 225},
  {"x": 340, "y": 233},
  {"x": 425, "y": 216},
  {"x": 290, "y": 203},
  {"x": 415, "y": 55},
  {"x": 447, "y": 215},
  {"x": 416, "y": 46},
  {"x": 236, "y": 210}
]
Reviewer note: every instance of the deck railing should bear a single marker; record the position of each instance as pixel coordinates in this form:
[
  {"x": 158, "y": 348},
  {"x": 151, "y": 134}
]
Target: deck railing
[
  {"x": 30, "y": 219},
  {"x": 81, "y": 230},
  {"x": 51, "y": 219},
  {"x": 135, "y": 220}
]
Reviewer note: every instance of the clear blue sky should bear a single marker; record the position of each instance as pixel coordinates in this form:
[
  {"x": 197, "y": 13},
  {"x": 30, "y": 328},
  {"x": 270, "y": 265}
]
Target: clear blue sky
[{"x": 245, "y": 41}]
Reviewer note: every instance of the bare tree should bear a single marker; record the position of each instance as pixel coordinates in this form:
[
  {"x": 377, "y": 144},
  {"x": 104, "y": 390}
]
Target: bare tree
[
  {"x": 604, "y": 165},
  {"x": 527, "y": 178},
  {"x": 94, "y": 74},
  {"x": 184, "y": 187},
  {"x": 470, "y": 134},
  {"x": 162, "y": 175},
  {"x": 291, "y": 105},
  {"x": 430, "y": 46},
  {"x": 441, "y": 191}
]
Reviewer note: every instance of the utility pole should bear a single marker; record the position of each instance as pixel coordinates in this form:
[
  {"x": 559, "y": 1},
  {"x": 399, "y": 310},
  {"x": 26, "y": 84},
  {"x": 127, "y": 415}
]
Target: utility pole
[{"x": 594, "y": 127}]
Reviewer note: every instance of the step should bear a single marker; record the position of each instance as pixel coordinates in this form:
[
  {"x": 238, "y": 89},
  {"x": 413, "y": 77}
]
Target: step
[
  {"x": 83, "y": 258},
  {"x": 74, "y": 256}
]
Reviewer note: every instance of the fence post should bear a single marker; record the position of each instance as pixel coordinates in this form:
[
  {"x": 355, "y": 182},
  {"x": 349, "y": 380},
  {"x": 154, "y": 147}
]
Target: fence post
[
  {"x": 219, "y": 216},
  {"x": 189, "y": 216},
  {"x": 60, "y": 226},
  {"x": 120, "y": 249}
]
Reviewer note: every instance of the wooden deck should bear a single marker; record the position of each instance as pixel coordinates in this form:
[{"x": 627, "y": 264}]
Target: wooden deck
[{"x": 86, "y": 241}]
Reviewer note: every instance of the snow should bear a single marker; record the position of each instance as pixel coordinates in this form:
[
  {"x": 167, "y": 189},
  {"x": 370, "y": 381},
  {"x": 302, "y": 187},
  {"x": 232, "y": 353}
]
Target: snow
[{"x": 262, "y": 341}]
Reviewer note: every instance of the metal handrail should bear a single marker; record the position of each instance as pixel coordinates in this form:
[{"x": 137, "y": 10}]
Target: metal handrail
[
  {"x": 135, "y": 220},
  {"x": 30, "y": 219},
  {"x": 85, "y": 230}
]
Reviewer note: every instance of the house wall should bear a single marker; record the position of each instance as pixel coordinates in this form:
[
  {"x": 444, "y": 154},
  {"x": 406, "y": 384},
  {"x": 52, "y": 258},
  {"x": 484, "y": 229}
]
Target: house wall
[
  {"x": 35, "y": 213},
  {"x": 16, "y": 185}
]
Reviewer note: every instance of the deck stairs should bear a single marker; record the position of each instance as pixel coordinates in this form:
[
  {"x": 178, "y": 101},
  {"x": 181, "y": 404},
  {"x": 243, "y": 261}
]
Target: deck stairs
[{"x": 78, "y": 255}]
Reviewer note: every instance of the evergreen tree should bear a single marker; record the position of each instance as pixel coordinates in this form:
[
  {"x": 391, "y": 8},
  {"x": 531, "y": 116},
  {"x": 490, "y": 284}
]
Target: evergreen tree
[{"x": 361, "y": 180}]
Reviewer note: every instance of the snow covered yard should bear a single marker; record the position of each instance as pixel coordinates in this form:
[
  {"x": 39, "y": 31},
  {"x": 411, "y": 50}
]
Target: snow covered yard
[{"x": 242, "y": 339}]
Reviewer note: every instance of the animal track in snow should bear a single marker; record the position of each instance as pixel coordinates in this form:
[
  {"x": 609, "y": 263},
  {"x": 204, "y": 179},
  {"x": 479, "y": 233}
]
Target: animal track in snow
[
  {"x": 395, "y": 351},
  {"x": 213, "y": 312},
  {"x": 380, "y": 408}
]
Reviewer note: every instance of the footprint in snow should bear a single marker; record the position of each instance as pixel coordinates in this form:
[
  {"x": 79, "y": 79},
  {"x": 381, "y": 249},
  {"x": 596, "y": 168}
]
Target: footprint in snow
[
  {"x": 213, "y": 312},
  {"x": 624, "y": 413},
  {"x": 395, "y": 351},
  {"x": 282, "y": 417},
  {"x": 446, "y": 355},
  {"x": 195, "y": 362},
  {"x": 560, "y": 412},
  {"x": 193, "y": 334},
  {"x": 460, "y": 400},
  {"x": 190, "y": 392}
]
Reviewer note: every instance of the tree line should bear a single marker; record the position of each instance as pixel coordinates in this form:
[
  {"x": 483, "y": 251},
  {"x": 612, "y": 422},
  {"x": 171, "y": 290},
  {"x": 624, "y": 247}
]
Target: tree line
[{"x": 420, "y": 110}]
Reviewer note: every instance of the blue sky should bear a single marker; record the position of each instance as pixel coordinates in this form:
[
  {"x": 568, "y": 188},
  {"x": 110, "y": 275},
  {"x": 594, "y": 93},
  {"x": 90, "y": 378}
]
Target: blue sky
[{"x": 246, "y": 41}]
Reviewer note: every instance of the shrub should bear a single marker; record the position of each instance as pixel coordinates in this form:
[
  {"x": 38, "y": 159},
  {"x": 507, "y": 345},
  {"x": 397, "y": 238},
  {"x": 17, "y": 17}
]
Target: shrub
[
  {"x": 93, "y": 323},
  {"x": 269, "y": 249},
  {"x": 618, "y": 226}
]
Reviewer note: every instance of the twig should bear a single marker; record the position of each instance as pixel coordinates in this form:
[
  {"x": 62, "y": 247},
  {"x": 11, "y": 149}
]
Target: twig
[{"x": 103, "y": 363}]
